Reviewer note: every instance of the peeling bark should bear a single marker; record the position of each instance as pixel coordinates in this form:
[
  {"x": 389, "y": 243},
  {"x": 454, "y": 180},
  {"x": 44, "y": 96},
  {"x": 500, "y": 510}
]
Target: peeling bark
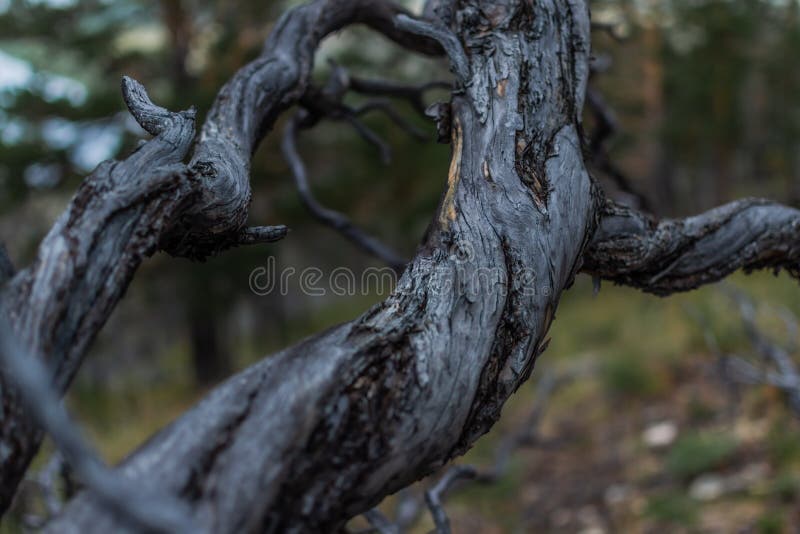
[
  {"x": 322, "y": 431},
  {"x": 671, "y": 255},
  {"x": 126, "y": 210}
]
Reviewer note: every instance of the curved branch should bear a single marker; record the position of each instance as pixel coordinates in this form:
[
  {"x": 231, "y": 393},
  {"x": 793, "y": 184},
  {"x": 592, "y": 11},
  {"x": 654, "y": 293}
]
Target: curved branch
[
  {"x": 327, "y": 216},
  {"x": 671, "y": 255},
  {"x": 85, "y": 262},
  {"x": 248, "y": 105},
  {"x": 322, "y": 431},
  {"x": 124, "y": 211},
  {"x": 449, "y": 41},
  {"x": 413, "y": 93}
]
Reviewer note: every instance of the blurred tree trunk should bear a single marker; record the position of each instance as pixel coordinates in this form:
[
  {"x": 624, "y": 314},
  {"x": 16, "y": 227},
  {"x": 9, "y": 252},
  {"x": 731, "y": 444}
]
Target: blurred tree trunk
[
  {"x": 208, "y": 361},
  {"x": 654, "y": 150}
]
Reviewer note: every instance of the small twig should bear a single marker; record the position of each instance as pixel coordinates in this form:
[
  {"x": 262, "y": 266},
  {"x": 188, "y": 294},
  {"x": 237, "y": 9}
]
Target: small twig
[
  {"x": 262, "y": 234},
  {"x": 414, "y": 94},
  {"x": 459, "y": 62},
  {"x": 434, "y": 496},
  {"x": 371, "y": 137},
  {"x": 327, "y": 216},
  {"x": 141, "y": 507},
  {"x": 387, "y": 109}
]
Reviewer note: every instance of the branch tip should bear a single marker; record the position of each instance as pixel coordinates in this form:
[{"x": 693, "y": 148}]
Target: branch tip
[
  {"x": 153, "y": 118},
  {"x": 262, "y": 234}
]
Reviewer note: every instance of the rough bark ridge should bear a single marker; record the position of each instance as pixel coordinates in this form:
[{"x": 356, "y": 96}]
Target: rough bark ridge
[
  {"x": 666, "y": 256},
  {"x": 85, "y": 263},
  {"x": 125, "y": 210},
  {"x": 351, "y": 413},
  {"x": 322, "y": 431}
]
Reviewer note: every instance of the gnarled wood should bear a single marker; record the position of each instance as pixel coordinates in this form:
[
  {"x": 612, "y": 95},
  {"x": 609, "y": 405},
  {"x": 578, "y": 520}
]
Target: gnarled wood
[
  {"x": 57, "y": 305},
  {"x": 126, "y": 210},
  {"x": 671, "y": 255},
  {"x": 322, "y": 431}
]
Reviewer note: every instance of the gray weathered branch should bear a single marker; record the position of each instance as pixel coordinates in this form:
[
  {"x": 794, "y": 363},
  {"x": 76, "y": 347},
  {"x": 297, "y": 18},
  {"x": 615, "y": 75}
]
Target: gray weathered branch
[
  {"x": 322, "y": 431},
  {"x": 248, "y": 105},
  {"x": 327, "y": 216},
  {"x": 85, "y": 262},
  {"x": 126, "y": 210},
  {"x": 671, "y": 255}
]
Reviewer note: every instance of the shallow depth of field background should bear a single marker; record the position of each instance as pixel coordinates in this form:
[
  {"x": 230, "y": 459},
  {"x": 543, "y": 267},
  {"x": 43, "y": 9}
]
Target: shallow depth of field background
[{"x": 707, "y": 95}]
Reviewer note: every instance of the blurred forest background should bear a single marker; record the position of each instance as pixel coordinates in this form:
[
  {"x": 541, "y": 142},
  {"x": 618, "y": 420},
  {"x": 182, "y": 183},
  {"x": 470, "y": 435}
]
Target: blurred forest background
[{"x": 655, "y": 437}]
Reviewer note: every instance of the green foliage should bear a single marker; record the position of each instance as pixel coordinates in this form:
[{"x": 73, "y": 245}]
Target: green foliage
[
  {"x": 783, "y": 443},
  {"x": 673, "y": 508},
  {"x": 771, "y": 523},
  {"x": 699, "y": 452},
  {"x": 786, "y": 487},
  {"x": 628, "y": 375}
]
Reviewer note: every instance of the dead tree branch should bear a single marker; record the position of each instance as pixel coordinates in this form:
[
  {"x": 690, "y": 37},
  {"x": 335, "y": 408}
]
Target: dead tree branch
[
  {"x": 414, "y": 94},
  {"x": 322, "y": 431},
  {"x": 670, "y": 255},
  {"x": 126, "y": 210}
]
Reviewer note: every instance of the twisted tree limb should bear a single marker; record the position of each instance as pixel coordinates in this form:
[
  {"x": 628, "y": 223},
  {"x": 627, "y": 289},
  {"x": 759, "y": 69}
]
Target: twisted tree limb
[
  {"x": 671, "y": 255},
  {"x": 320, "y": 432},
  {"x": 57, "y": 305},
  {"x": 323, "y": 430},
  {"x": 126, "y": 210}
]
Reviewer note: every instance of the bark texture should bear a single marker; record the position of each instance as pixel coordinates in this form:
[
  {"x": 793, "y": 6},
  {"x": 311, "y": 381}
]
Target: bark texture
[
  {"x": 368, "y": 407},
  {"x": 322, "y": 431},
  {"x": 126, "y": 210},
  {"x": 671, "y": 255}
]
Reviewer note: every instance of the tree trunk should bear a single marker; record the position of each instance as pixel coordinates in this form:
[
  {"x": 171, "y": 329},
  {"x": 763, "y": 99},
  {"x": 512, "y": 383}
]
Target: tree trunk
[
  {"x": 322, "y": 431},
  {"x": 373, "y": 405}
]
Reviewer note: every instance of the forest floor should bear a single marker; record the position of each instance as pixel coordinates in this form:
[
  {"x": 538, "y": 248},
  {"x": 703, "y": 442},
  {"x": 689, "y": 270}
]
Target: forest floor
[
  {"x": 653, "y": 438},
  {"x": 649, "y": 437}
]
